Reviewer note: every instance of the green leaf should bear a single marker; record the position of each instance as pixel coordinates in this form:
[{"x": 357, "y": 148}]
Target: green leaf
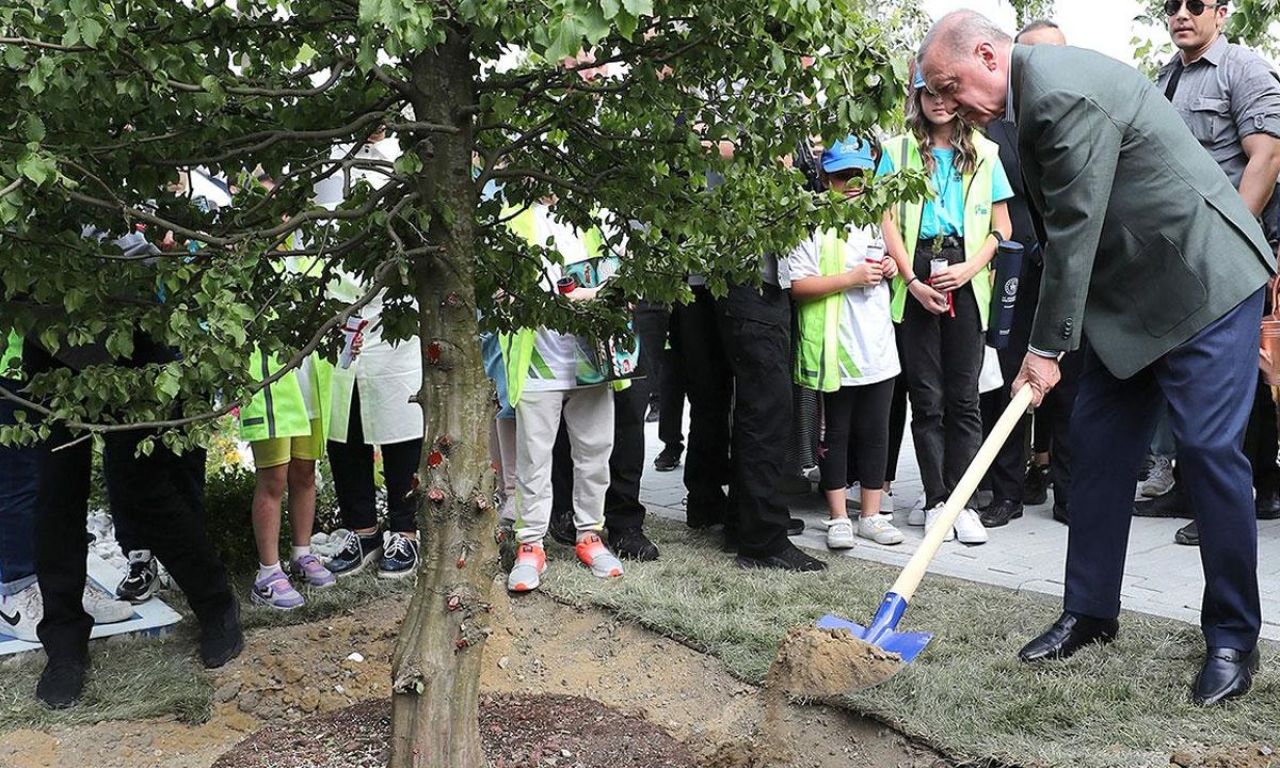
[
  {"x": 35, "y": 167},
  {"x": 35, "y": 128},
  {"x": 14, "y": 56},
  {"x": 595, "y": 26},
  {"x": 566, "y": 38},
  {"x": 610, "y": 8},
  {"x": 408, "y": 163},
  {"x": 168, "y": 383},
  {"x": 90, "y": 31},
  {"x": 638, "y": 7}
]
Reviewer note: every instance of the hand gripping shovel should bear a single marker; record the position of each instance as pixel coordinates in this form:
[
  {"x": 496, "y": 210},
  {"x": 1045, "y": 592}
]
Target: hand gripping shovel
[{"x": 883, "y": 632}]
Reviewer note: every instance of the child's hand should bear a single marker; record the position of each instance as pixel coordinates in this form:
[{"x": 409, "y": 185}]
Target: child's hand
[
  {"x": 932, "y": 300},
  {"x": 868, "y": 273},
  {"x": 952, "y": 278},
  {"x": 890, "y": 268}
]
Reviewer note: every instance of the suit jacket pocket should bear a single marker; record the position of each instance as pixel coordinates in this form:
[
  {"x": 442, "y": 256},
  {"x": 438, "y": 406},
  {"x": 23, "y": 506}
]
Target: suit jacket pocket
[{"x": 1162, "y": 287}]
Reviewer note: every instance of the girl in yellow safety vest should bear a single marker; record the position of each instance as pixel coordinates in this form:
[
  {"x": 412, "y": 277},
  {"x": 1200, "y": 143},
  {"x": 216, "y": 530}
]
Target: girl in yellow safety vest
[
  {"x": 942, "y": 244},
  {"x": 846, "y": 351}
]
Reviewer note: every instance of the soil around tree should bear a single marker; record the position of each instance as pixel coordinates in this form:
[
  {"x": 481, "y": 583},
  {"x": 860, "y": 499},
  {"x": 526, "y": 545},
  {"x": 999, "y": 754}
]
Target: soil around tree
[{"x": 518, "y": 731}]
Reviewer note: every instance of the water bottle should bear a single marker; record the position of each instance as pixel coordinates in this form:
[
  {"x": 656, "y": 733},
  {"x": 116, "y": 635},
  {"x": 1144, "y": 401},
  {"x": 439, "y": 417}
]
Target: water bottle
[
  {"x": 874, "y": 255},
  {"x": 1004, "y": 292}
]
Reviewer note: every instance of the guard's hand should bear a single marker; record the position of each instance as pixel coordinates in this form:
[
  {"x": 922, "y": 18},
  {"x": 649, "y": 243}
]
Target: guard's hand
[
  {"x": 1039, "y": 373},
  {"x": 932, "y": 300},
  {"x": 951, "y": 278}
]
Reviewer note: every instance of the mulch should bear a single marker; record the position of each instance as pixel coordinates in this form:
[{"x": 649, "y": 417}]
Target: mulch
[{"x": 517, "y": 731}]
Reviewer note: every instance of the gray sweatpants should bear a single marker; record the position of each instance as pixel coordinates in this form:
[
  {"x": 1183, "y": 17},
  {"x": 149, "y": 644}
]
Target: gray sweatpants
[{"x": 588, "y": 416}]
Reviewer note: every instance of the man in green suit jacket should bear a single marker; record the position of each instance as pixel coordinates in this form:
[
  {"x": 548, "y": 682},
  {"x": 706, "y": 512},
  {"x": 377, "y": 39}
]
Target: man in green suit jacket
[{"x": 1156, "y": 266}]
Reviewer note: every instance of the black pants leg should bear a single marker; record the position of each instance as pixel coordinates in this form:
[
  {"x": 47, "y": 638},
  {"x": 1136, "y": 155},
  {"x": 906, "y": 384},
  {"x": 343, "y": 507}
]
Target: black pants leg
[
  {"x": 1062, "y": 400},
  {"x": 755, "y": 331},
  {"x": 671, "y": 382},
  {"x": 62, "y": 505},
  {"x": 710, "y": 387},
  {"x": 351, "y": 464},
  {"x": 399, "y": 464},
  {"x": 622, "y": 507},
  {"x": 857, "y": 422},
  {"x": 897, "y": 421}
]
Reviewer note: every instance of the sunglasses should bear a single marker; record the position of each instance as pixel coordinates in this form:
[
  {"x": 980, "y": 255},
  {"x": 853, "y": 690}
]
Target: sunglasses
[
  {"x": 847, "y": 175},
  {"x": 1194, "y": 7}
]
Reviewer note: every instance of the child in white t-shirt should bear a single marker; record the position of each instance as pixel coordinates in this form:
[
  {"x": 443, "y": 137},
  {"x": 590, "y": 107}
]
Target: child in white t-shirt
[{"x": 846, "y": 351}]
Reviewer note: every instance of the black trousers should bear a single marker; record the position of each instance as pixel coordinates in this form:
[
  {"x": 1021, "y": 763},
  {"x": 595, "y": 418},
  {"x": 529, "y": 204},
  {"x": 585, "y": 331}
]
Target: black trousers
[
  {"x": 352, "y": 466},
  {"x": 671, "y": 385},
  {"x": 857, "y": 423},
  {"x": 737, "y": 352},
  {"x": 157, "y": 494},
  {"x": 942, "y": 357},
  {"x": 622, "y": 506},
  {"x": 192, "y": 479},
  {"x": 1053, "y": 417}
]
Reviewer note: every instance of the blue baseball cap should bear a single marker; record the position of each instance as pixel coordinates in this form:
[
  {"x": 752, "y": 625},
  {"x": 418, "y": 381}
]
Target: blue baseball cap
[
  {"x": 918, "y": 83},
  {"x": 849, "y": 152}
]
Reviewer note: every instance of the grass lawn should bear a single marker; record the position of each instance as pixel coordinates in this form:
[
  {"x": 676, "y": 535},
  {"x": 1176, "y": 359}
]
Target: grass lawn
[{"x": 967, "y": 695}]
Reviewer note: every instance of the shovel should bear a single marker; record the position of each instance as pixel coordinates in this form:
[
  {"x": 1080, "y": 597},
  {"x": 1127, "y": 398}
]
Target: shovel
[{"x": 882, "y": 633}]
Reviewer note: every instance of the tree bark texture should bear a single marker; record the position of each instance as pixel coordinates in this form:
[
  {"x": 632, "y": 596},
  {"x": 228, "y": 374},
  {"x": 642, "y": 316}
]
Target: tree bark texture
[{"x": 436, "y": 666}]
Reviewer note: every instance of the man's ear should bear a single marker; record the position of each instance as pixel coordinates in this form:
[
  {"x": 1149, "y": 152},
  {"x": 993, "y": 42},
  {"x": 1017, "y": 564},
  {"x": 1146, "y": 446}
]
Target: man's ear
[{"x": 987, "y": 54}]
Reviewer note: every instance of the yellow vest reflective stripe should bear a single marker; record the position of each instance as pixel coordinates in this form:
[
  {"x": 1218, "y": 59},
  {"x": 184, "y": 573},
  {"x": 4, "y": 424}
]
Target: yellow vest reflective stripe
[
  {"x": 819, "y": 353},
  {"x": 977, "y": 216},
  {"x": 11, "y": 359},
  {"x": 280, "y": 409}
]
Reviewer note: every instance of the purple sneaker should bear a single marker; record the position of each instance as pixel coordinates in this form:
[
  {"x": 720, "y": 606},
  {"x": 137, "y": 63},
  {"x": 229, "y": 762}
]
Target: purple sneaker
[
  {"x": 275, "y": 591},
  {"x": 313, "y": 572}
]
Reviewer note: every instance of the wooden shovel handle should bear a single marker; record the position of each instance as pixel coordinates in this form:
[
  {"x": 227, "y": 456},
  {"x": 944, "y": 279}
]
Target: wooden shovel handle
[{"x": 915, "y": 569}]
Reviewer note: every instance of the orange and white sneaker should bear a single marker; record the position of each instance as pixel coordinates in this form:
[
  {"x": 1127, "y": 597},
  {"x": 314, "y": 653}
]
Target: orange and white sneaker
[
  {"x": 596, "y": 556},
  {"x": 526, "y": 574}
]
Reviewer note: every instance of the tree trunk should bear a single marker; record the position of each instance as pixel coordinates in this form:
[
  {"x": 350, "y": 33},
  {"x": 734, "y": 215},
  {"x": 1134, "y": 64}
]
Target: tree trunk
[{"x": 436, "y": 667}]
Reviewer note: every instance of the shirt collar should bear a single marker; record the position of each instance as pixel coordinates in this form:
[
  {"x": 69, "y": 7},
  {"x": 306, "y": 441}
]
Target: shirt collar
[{"x": 1009, "y": 116}]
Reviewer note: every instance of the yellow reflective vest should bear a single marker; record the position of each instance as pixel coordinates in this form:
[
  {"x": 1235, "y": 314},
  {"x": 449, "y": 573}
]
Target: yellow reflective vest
[{"x": 819, "y": 352}]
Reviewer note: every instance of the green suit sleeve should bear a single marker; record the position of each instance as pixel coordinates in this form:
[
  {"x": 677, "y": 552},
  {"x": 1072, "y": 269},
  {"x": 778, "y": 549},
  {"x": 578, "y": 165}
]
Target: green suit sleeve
[{"x": 1076, "y": 151}]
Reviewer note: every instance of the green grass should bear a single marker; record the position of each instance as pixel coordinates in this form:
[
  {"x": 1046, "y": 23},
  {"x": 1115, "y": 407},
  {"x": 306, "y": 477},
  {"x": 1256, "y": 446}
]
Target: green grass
[
  {"x": 967, "y": 695},
  {"x": 137, "y": 678}
]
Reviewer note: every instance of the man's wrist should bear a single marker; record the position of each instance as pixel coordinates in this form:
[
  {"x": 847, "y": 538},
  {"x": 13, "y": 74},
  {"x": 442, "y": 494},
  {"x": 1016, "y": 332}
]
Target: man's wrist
[{"x": 1044, "y": 353}]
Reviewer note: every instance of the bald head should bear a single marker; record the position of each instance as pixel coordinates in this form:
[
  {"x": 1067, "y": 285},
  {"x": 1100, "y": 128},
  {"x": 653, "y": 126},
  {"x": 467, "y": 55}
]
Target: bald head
[
  {"x": 1041, "y": 32},
  {"x": 965, "y": 60}
]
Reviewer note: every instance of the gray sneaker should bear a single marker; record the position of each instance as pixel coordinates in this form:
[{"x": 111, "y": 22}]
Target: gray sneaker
[
  {"x": 1159, "y": 479},
  {"x": 103, "y": 607}
]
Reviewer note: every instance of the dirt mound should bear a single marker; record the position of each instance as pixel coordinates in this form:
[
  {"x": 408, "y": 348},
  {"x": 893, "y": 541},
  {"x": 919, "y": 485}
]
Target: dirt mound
[
  {"x": 818, "y": 663},
  {"x": 517, "y": 731},
  {"x": 1240, "y": 756}
]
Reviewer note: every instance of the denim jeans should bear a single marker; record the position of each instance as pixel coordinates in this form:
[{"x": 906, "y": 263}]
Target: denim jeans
[{"x": 17, "y": 506}]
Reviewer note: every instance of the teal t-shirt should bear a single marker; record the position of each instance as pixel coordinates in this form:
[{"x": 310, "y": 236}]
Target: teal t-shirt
[{"x": 945, "y": 215}]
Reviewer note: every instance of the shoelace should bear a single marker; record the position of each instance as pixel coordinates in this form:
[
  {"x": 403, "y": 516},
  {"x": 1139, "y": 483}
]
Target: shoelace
[{"x": 399, "y": 546}]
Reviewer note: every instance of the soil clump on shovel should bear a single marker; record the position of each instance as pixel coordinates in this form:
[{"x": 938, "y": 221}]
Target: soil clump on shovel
[{"x": 815, "y": 663}]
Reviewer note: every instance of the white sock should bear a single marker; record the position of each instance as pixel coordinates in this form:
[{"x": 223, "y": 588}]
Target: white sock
[
  {"x": 298, "y": 552},
  {"x": 266, "y": 570}
]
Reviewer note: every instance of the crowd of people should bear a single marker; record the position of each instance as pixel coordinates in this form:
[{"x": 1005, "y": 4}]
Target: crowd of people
[{"x": 872, "y": 319}]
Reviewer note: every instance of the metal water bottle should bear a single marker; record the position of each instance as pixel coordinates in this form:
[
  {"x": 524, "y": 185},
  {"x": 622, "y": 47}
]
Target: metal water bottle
[{"x": 1004, "y": 294}]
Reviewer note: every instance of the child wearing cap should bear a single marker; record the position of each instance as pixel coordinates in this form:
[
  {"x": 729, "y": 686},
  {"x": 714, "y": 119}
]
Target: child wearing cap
[
  {"x": 846, "y": 350},
  {"x": 943, "y": 244}
]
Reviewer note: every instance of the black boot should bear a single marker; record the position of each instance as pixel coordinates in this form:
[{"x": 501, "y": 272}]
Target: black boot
[
  {"x": 632, "y": 544},
  {"x": 62, "y": 682},
  {"x": 222, "y": 637}
]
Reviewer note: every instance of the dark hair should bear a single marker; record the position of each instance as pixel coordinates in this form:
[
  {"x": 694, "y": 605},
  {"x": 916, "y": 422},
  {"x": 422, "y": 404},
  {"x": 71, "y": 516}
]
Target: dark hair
[{"x": 1032, "y": 26}]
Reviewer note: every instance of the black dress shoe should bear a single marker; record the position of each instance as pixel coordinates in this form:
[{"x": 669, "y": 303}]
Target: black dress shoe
[
  {"x": 1188, "y": 535},
  {"x": 795, "y": 526},
  {"x": 1061, "y": 513},
  {"x": 789, "y": 559},
  {"x": 667, "y": 459},
  {"x": 1171, "y": 504},
  {"x": 1267, "y": 505},
  {"x": 1226, "y": 674},
  {"x": 1000, "y": 513},
  {"x": 1035, "y": 486},
  {"x": 632, "y": 544},
  {"x": 222, "y": 638},
  {"x": 62, "y": 682},
  {"x": 1069, "y": 633}
]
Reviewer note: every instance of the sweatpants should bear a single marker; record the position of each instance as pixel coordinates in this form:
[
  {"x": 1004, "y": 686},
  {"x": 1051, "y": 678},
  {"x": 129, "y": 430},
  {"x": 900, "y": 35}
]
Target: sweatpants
[{"x": 588, "y": 417}]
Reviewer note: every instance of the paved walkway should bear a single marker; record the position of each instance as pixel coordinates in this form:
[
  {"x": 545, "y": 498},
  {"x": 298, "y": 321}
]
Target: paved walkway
[{"x": 1161, "y": 577}]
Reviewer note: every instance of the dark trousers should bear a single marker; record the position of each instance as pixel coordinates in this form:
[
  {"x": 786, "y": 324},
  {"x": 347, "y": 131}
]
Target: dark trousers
[
  {"x": 191, "y": 483},
  {"x": 1052, "y": 418},
  {"x": 352, "y": 466},
  {"x": 857, "y": 424},
  {"x": 671, "y": 386},
  {"x": 737, "y": 353},
  {"x": 942, "y": 357},
  {"x": 1208, "y": 382},
  {"x": 622, "y": 506},
  {"x": 18, "y": 477}
]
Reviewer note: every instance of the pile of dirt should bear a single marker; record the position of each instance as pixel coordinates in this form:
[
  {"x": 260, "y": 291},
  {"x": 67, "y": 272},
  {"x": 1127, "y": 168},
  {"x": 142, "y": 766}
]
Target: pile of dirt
[
  {"x": 517, "y": 731},
  {"x": 820, "y": 663},
  {"x": 1239, "y": 756}
]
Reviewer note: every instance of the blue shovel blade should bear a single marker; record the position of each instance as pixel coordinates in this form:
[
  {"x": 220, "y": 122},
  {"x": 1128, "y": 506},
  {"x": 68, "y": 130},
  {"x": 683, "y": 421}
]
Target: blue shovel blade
[{"x": 881, "y": 633}]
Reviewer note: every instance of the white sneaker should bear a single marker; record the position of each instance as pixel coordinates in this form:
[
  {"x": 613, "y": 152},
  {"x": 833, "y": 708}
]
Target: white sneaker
[
  {"x": 1159, "y": 479},
  {"x": 812, "y": 474},
  {"x": 853, "y": 495},
  {"x": 969, "y": 528},
  {"x": 20, "y": 613},
  {"x": 879, "y": 529},
  {"x": 916, "y": 516},
  {"x": 104, "y": 607},
  {"x": 931, "y": 516},
  {"x": 840, "y": 533}
]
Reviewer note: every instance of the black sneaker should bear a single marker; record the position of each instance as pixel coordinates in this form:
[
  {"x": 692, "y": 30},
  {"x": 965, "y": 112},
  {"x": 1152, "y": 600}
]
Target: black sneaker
[
  {"x": 632, "y": 544},
  {"x": 1035, "y": 486},
  {"x": 1062, "y": 514},
  {"x": 795, "y": 526},
  {"x": 62, "y": 682},
  {"x": 139, "y": 584},
  {"x": 668, "y": 458},
  {"x": 788, "y": 559},
  {"x": 653, "y": 415},
  {"x": 357, "y": 551},
  {"x": 1000, "y": 513},
  {"x": 1188, "y": 535},
  {"x": 562, "y": 528},
  {"x": 399, "y": 557},
  {"x": 222, "y": 637},
  {"x": 1171, "y": 504}
]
